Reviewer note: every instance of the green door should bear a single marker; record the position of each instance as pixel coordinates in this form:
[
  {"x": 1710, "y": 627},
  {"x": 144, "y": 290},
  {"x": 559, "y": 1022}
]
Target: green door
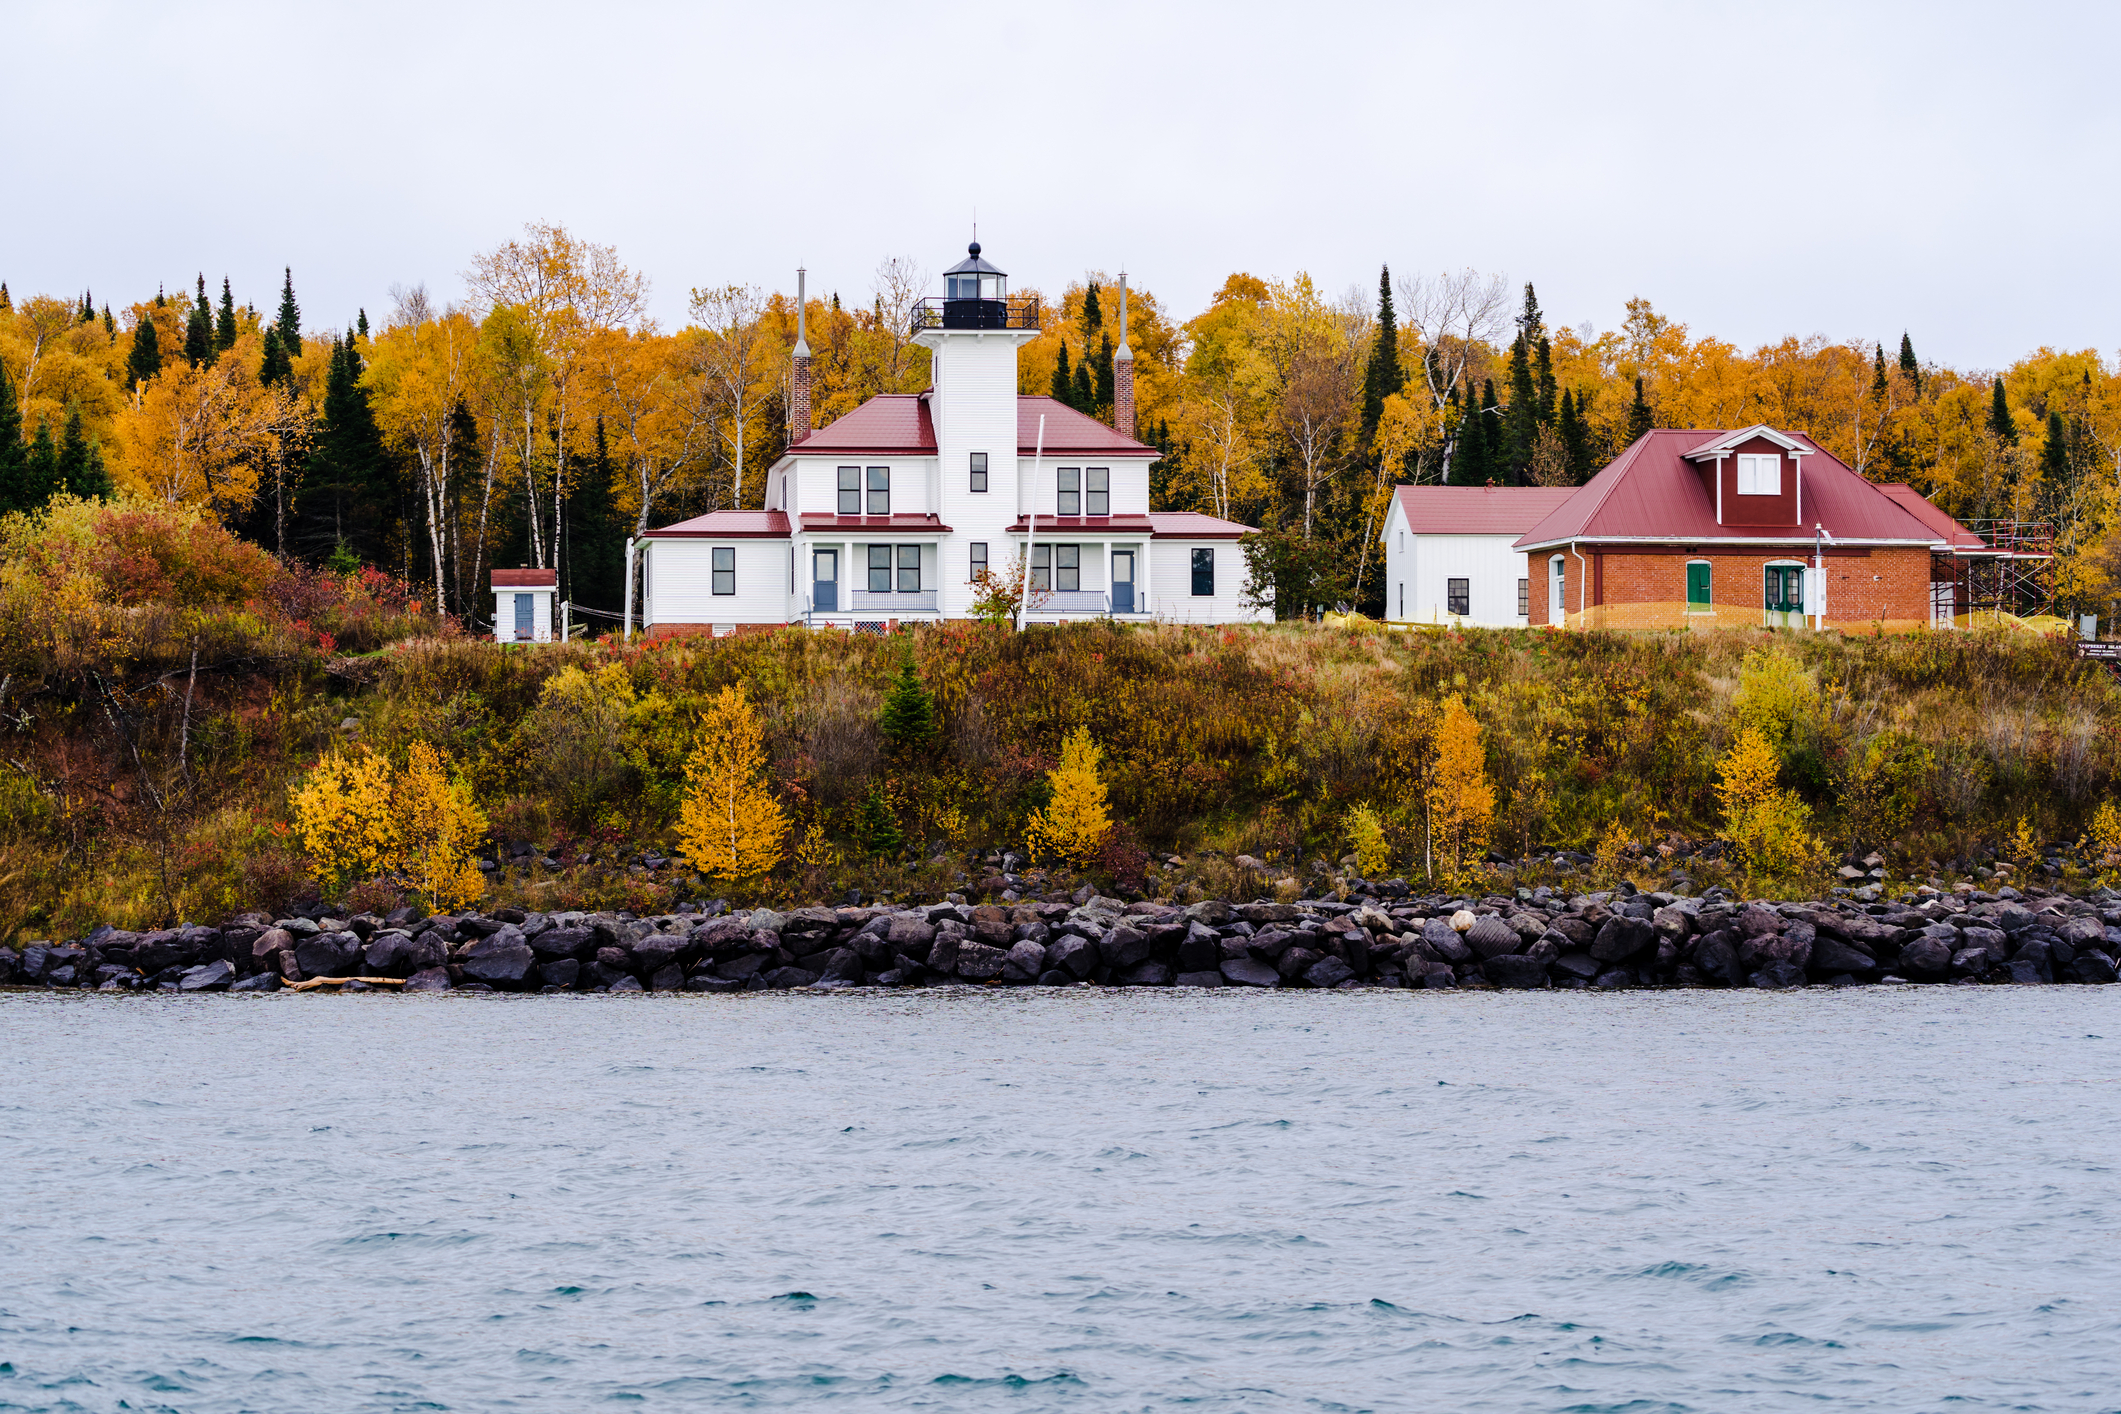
[
  {"x": 1785, "y": 596},
  {"x": 1699, "y": 599}
]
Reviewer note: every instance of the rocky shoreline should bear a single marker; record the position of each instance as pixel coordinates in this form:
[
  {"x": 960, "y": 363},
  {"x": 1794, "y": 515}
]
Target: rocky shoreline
[{"x": 1537, "y": 939}]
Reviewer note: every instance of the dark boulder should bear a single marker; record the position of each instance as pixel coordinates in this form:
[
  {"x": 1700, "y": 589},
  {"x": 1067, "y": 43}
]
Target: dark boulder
[
  {"x": 708, "y": 982},
  {"x": 843, "y": 967},
  {"x": 1201, "y": 978},
  {"x": 1148, "y": 974},
  {"x": 1122, "y": 947},
  {"x": 1078, "y": 957},
  {"x": 783, "y": 978},
  {"x": 561, "y": 972},
  {"x": 943, "y": 954},
  {"x": 1328, "y": 972},
  {"x": 1024, "y": 961},
  {"x": 431, "y": 979},
  {"x": 978, "y": 962},
  {"x": 1445, "y": 941},
  {"x": 1614, "y": 979},
  {"x": 1926, "y": 958},
  {"x": 2093, "y": 967},
  {"x": 668, "y": 978},
  {"x": 1201, "y": 950},
  {"x": 630, "y": 983},
  {"x": 1054, "y": 977},
  {"x": 1620, "y": 938},
  {"x": 1250, "y": 972},
  {"x": 737, "y": 969},
  {"x": 1294, "y": 962},
  {"x": 257, "y": 982},
  {"x": 502, "y": 960},
  {"x": 1716, "y": 957},
  {"x": 215, "y": 976},
  {"x": 1831, "y": 956},
  {"x": 1972, "y": 962},
  {"x": 1779, "y": 975},
  {"x": 2027, "y": 973},
  {"x": 1576, "y": 964},
  {"x": 328, "y": 955}
]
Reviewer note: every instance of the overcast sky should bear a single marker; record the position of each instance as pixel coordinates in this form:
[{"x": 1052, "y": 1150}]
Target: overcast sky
[{"x": 1754, "y": 170}]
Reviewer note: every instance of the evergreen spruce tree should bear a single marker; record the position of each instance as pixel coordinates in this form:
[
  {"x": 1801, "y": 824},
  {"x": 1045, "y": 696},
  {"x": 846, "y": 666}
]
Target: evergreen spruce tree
[
  {"x": 1080, "y": 395},
  {"x": 40, "y": 471},
  {"x": 272, "y": 364},
  {"x": 1878, "y": 383},
  {"x": 361, "y": 324},
  {"x": 94, "y": 483},
  {"x": 87, "y": 311},
  {"x": 348, "y": 491},
  {"x": 1063, "y": 385},
  {"x": 1640, "y": 419},
  {"x": 1521, "y": 422},
  {"x": 1575, "y": 439},
  {"x": 73, "y": 453},
  {"x": 110, "y": 325},
  {"x": 909, "y": 711},
  {"x": 1107, "y": 379},
  {"x": 2000, "y": 423},
  {"x": 288, "y": 322},
  {"x": 1093, "y": 313},
  {"x": 225, "y": 321},
  {"x": 595, "y": 561},
  {"x": 199, "y": 329},
  {"x": 1383, "y": 377},
  {"x": 1529, "y": 321},
  {"x": 2055, "y": 461},
  {"x": 1912, "y": 369},
  {"x": 145, "y": 360},
  {"x": 12, "y": 453},
  {"x": 6, "y": 303}
]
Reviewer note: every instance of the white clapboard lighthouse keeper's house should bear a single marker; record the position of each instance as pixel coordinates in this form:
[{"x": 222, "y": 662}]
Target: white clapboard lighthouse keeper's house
[{"x": 887, "y": 515}]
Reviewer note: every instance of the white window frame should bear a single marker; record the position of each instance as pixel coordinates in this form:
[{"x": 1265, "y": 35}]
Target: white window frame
[{"x": 1759, "y": 474}]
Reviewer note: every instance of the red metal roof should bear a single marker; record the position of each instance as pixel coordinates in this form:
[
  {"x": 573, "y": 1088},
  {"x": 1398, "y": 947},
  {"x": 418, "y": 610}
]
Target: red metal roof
[
  {"x": 1070, "y": 433},
  {"x": 728, "y": 525},
  {"x": 526, "y": 579},
  {"x": 1140, "y": 525},
  {"x": 1651, "y": 492},
  {"x": 1922, "y": 508},
  {"x": 889, "y": 424},
  {"x": 902, "y": 424},
  {"x": 909, "y": 520},
  {"x": 1192, "y": 525},
  {"x": 1479, "y": 510}
]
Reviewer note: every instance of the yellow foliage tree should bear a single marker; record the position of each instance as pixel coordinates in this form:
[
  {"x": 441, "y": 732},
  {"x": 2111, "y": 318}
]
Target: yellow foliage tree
[
  {"x": 729, "y": 825},
  {"x": 440, "y": 825},
  {"x": 1366, "y": 836},
  {"x": 1076, "y": 820},
  {"x": 1769, "y": 828},
  {"x": 358, "y": 818},
  {"x": 1460, "y": 801},
  {"x": 346, "y": 819}
]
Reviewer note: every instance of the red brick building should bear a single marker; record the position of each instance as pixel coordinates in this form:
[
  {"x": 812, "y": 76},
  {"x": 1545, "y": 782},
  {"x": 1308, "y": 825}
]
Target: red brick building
[{"x": 1746, "y": 527}]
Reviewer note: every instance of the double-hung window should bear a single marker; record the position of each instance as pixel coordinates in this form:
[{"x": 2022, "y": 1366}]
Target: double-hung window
[
  {"x": 724, "y": 569},
  {"x": 1458, "y": 596},
  {"x": 850, "y": 490},
  {"x": 1759, "y": 475},
  {"x": 979, "y": 471},
  {"x": 1203, "y": 574},
  {"x": 979, "y": 559},
  {"x": 1068, "y": 491},
  {"x": 1097, "y": 491},
  {"x": 879, "y": 569},
  {"x": 879, "y": 491},
  {"x": 1042, "y": 567},
  {"x": 909, "y": 569},
  {"x": 1524, "y": 598},
  {"x": 1068, "y": 567}
]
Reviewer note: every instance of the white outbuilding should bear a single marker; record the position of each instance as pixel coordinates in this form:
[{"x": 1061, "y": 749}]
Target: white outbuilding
[
  {"x": 522, "y": 605},
  {"x": 1448, "y": 555}
]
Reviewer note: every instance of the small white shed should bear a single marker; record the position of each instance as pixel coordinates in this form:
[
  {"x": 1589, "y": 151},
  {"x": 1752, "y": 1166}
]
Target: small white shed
[
  {"x": 522, "y": 605},
  {"x": 1448, "y": 555}
]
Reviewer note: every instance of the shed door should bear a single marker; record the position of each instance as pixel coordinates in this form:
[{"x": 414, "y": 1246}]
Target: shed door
[
  {"x": 523, "y": 617},
  {"x": 825, "y": 581}
]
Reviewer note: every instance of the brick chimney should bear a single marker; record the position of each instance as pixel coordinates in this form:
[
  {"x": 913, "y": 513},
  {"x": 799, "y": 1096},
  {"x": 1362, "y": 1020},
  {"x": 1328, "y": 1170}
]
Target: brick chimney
[
  {"x": 1123, "y": 371},
  {"x": 799, "y": 402}
]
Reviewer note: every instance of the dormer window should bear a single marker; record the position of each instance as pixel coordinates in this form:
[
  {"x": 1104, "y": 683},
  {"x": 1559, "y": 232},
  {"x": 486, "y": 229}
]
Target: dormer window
[{"x": 1759, "y": 474}]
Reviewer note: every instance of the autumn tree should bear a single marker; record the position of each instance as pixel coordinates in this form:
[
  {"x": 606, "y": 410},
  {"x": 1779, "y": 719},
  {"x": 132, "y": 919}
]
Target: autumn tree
[
  {"x": 1076, "y": 820},
  {"x": 729, "y": 825},
  {"x": 1459, "y": 802}
]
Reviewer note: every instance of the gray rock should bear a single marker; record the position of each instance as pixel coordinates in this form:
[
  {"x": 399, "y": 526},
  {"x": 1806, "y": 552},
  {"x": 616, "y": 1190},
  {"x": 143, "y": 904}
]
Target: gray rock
[
  {"x": 633, "y": 984},
  {"x": 432, "y": 979},
  {"x": 1328, "y": 972},
  {"x": 780, "y": 979},
  {"x": 501, "y": 960},
  {"x": 1779, "y": 975},
  {"x": 1925, "y": 958},
  {"x": 2092, "y": 967},
  {"x": 1514, "y": 970},
  {"x": 1620, "y": 938},
  {"x": 1201, "y": 950},
  {"x": 1672, "y": 922},
  {"x": 257, "y": 982},
  {"x": 1213, "y": 912},
  {"x": 1078, "y": 957},
  {"x": 1152, "y": 974},
  {"x": 1830, "y": 956},
  {"x": 842, "y": 965},
  {"x": 1491, "y": 937},
  {"x": 1576, "y": 964},
  {"x": 1250, "y": 972},
  {"x": 562, "y": 972},
  {"x": 1122, "y": 947},
  {"x": 668, "y": 978},
  {"x": 328, "y": 955},
  {"x": 1444, "y": 940},
  {"x": 1294, "y": 962},
  {"x": 2027, "y": 973},
  {"x": 1024, "y": 962},
  {"x": 215, "y": 976},
  {"x": 977, "y": 962},
  {"x": 1200, "y": 979}
]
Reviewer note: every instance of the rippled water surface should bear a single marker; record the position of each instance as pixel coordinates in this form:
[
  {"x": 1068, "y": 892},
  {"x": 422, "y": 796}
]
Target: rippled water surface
[{"x": 1891, "y": 1199}]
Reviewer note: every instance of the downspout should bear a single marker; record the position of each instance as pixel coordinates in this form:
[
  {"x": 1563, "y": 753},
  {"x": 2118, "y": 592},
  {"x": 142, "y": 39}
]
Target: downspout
[{"x": 1583, "y": 582}]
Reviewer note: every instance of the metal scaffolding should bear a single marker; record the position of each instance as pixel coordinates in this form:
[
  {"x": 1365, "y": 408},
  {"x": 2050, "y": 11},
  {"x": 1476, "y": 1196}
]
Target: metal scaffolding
[{"x": 2013, "y": 572}]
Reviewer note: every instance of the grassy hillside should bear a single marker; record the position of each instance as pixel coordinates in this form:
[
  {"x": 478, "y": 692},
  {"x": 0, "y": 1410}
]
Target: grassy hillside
[{"x": 163, "y": 686}]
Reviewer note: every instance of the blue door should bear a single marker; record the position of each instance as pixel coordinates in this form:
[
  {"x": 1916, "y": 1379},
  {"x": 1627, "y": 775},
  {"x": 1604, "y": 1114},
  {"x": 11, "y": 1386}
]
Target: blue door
[
  {"x": 1122, "y": 581},
  {"x": 825, "y": 581},
  {"x": 523, "y": 620}
]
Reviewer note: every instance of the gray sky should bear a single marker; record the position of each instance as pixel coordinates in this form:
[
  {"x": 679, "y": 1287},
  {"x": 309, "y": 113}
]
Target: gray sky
[{"x": 1754, "y": 170}]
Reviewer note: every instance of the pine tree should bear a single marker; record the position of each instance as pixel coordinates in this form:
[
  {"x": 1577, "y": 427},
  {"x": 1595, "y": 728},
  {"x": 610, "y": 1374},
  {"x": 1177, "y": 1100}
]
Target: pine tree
[
  {"x": 348, "y": 490},
  {"x": 288, "y": 323},
  {"x": 40, "y": 471},
  {"x": 1077, "y": 818},
  {"x": 1521, "y": 422},
  {"x": 909, "y": 711},
  {"x": 2054, "y": 459},
  {"x": 1912, "y": 369},
  {"x": 1080, "y": 396},
  {"x": 110, "y": 325},
  {"x": 1107, "y": 379},
  {"x": 1878, "y": 383},
  {"x": 1640, "y": 419},
  {"x": 361, "y": 324},
  {"x": 1529, "y": 322},
  {"x": 73, "y": 453},
  {"x": 87, "y": 311},
  {"x": 729, "y": 824},
  {"x": 1383, "y": 377},
  {"x": 1093, "y": 312},
  {"x": 145, "y": 360},
  {"x": 1479, "y": 433},
  {"x": 199, "y": 329},
  {"x": 6, "y": 303},
  {"x": 94, "y": 483},
  {"x": 596, "y": 535},
  {"x": 1063, "y": 385},
  {"x": 2000, "y": 423},
  {"x": 12, "y": 453},
  {"x": 1575, "y": 442},
  {"x": 225, "y": 323}
]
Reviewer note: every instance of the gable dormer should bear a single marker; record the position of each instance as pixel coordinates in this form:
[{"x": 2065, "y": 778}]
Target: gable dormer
[{"x": 1755, "y": 477}]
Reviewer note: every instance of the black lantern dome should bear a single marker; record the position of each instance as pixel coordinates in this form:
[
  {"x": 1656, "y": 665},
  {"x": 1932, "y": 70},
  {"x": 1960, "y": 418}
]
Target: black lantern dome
[{"x": 975, "y": 294}]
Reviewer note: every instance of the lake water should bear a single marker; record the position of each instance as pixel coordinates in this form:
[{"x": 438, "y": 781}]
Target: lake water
[{"x": 1880, "y": 1198}]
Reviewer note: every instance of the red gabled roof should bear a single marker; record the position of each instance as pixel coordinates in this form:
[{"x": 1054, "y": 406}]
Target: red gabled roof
[
  {"x": 526, "y": 579},
  {"x": 1070, "y": 433},
  {"x": 1192, "y": 525},
  {"x": 1479, "y": 510},
  {"x": 1651, "y": 492},
  {"x": 889, "y": 424},
  {"x": 921, "y": 521},
  {"x": 728, "y": 525},
  {"x": 1922, "y": 508},
  {"x": 903, "y": 424}
]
